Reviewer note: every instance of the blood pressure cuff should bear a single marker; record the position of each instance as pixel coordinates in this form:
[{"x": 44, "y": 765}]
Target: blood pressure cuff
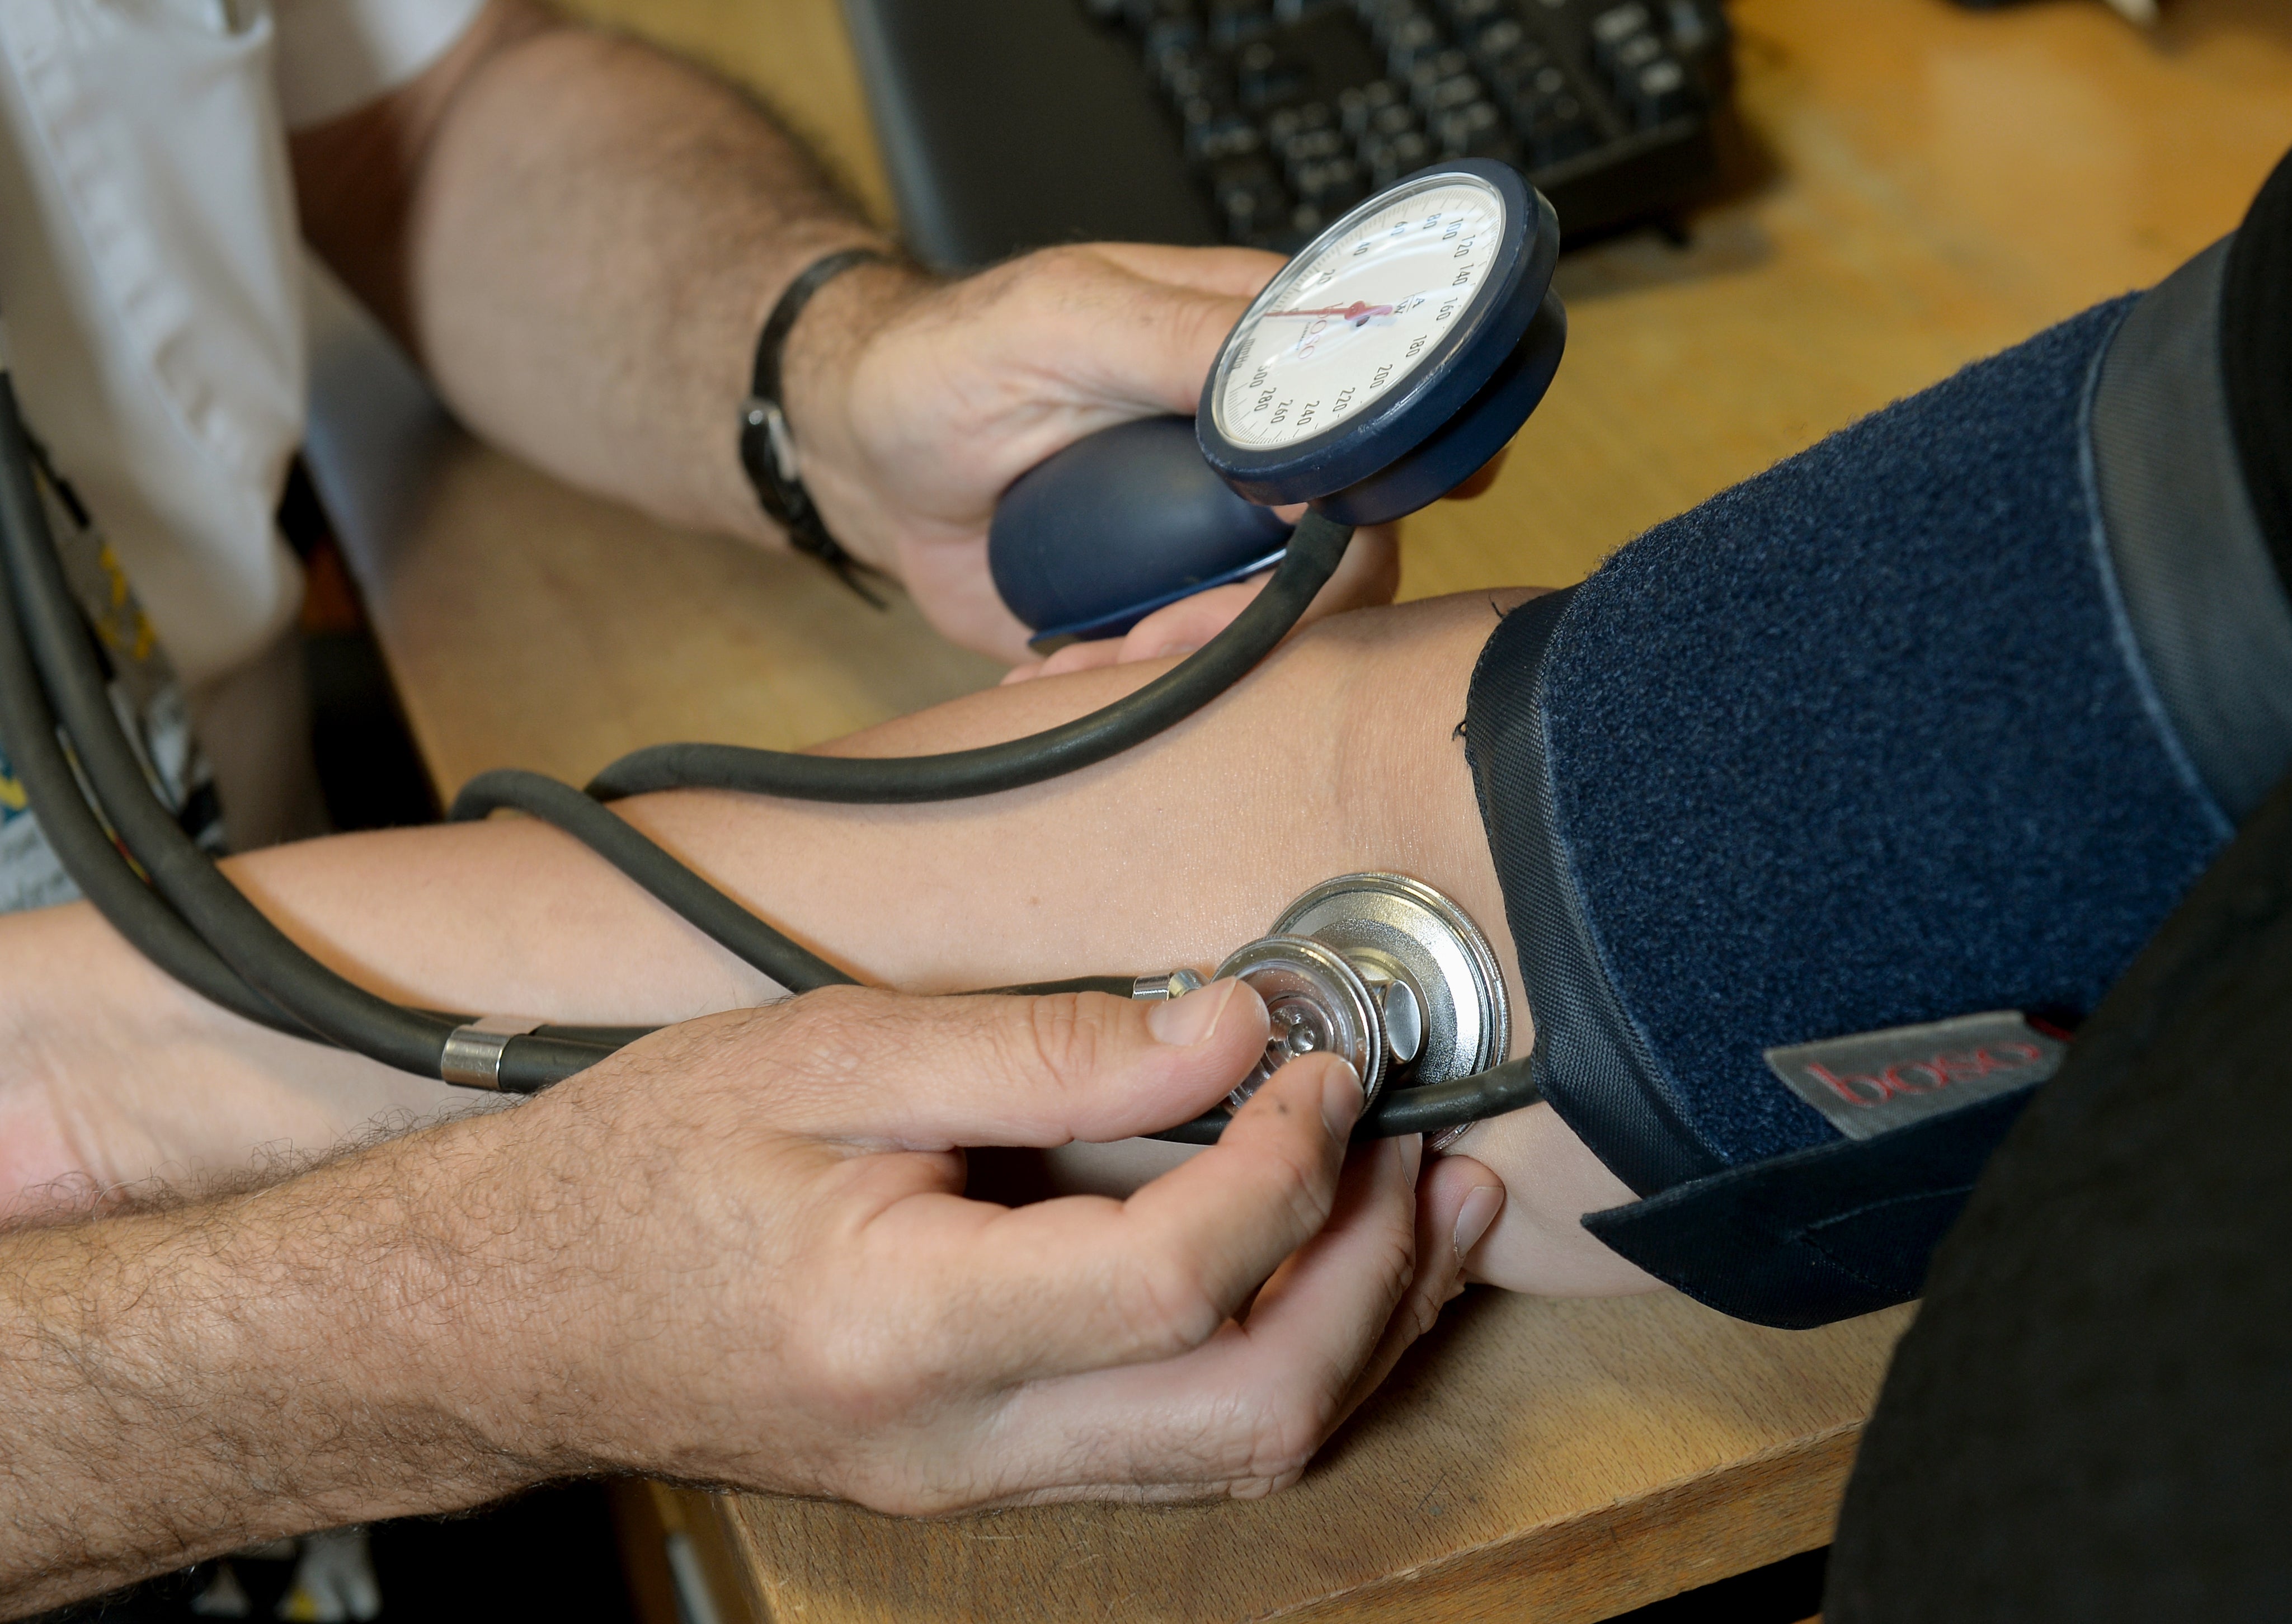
[{"x": 1824, "y": 811}]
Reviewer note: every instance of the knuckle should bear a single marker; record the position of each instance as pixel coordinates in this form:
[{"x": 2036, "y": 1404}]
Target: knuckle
[
  {"x": 896, "y": 1491},
  {"x": 1287, "y": 1431},
  {"x": 1057, "y": 275},
  {"x": 1423, "y": 1313},
  {"x": 1053, "y": 1041},
  {"x": 1395, "y": 1263},
  {"x": 1394, "y": 1267},
  {"x": 1164, "y": 1308},
  {"x": 835, "y": 1025},
  {"x": 1300, "y": 1185},
  {"x": 834, "y": 1038},
  {"x": 1064, "y": 260},
  {"x": 856, "y": 1371}
]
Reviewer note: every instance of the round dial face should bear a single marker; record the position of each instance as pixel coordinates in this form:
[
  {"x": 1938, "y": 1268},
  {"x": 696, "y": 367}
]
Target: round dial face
[{"x": 1346, "y": 324}]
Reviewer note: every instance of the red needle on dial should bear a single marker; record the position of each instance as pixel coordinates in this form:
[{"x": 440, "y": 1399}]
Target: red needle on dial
[{"x": 1356, "y": 313}]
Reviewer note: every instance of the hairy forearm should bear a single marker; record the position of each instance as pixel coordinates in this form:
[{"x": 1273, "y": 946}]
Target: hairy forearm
[
  {"x": 580, "y": 237},
  {"x": 181, "y": 1383}
]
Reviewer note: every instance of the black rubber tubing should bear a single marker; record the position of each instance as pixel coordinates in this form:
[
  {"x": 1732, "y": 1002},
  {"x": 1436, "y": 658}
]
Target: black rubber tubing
[
  {"x": 1508, "y": 1086},
  {"x": 262, "y": 954},
  {"x": 1315, "y": 549},
  {"x": 88, "y": 853},
  {"x": 610, "y": 836},
  {"x": 28, "y": 728}
]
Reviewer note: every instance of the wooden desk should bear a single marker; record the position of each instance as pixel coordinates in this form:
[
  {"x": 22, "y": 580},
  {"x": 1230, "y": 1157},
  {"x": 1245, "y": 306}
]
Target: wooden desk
[{"x": 1927, "y": 185}]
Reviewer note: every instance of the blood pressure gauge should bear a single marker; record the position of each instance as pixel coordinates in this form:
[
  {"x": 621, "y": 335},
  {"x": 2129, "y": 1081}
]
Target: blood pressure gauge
[
  {"x": 1379, "y": 369},
  {"x": 1397, "y": 354}
]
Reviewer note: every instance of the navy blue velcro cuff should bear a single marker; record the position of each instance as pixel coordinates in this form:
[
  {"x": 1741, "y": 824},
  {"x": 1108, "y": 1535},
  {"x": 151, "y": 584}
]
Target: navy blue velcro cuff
[{"x": 1862, "y": 744}]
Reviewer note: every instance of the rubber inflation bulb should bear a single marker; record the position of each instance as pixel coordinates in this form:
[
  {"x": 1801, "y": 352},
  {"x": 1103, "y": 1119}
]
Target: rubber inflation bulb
[{"x": 1092, "y": 540}]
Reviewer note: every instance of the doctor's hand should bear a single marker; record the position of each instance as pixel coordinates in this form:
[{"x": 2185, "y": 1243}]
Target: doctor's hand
[
  {"x": 738, "y": 1252},
  {"x": 915, "y": 404},
  {"x": 799, "y": 1297},
  {"x": 750, "y": 1239}
]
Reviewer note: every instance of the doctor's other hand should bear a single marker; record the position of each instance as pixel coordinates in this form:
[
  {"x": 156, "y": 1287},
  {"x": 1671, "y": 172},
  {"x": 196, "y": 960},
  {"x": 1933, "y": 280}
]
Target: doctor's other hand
[
  {"x": 914, "y": 408},
  {"x": 750, "y": 1240}
]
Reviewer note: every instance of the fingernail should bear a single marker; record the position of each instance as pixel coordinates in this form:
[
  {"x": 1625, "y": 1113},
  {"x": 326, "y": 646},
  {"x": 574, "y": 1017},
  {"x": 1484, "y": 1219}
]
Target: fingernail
[
  {"x": 1191, "y": 1020},
  {"x": 1341, "y": 1097},
  {"x": 1412, "y": 1155},
  {"x": 1472, "y": 1219}
]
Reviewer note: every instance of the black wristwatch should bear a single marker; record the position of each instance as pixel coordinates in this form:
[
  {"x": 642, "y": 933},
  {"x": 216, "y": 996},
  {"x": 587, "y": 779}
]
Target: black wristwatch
[{"x": 767, "y": 449}]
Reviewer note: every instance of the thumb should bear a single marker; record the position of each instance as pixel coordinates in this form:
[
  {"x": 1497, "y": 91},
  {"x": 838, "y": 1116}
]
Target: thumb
[
  {"x": 994, "y": 1069},
  {"x": 1133, "y": 340}
]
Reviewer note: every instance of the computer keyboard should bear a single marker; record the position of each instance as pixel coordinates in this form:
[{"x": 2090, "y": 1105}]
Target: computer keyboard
[
  {"x": 1293, "y": 111},
  {"x": 1008, "y": 124}
]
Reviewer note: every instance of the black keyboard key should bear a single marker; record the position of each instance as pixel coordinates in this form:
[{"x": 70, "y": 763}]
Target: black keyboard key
[
  {"x": 1616, "y": 27},
  {"x": 1188, "y": 74},
  {"x": 1658, "y": 89},
  {"x": 1431, "y": 69},
  {"x": 1289, "y": 123},
  {"x": 1252, "y": 199},
  {"x": 1412, "y": 43},
  {"x": 1544, "y": 95},
  {"x": 1359, "y": 107},
  {"x": 1501, "y": 41},
  {"x": 1237, "y": 22},
  {"x": 1634, "y": 54},
  {"x": 1475, "y": 131},
  {"x": 1382, "y": 17},
  {"x": 1512, "y": 76},
  {"x": 1219, "y": 139},
  {"x": 1266, "y": 76},
  {"x": 1564, "y": 131},
  {"x": 1331, "y": 186},
  {"x": 1469, "y": 17},
  {"x": 1307, "y": 153},
  {"x": 1436, "y": 97},
  {"x": 1389, "y": 158},
  {"x": 1694, "y": 29}
]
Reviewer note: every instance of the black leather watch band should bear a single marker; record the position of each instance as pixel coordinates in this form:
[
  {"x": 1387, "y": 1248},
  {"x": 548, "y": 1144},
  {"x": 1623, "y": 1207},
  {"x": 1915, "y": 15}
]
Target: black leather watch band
[{"x": 768, "y": 450}]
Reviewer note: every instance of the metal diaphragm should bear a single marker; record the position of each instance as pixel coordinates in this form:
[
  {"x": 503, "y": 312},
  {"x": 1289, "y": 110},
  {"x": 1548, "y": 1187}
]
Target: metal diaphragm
[
  {"x": 1399, "y": 934},
  {"x": 1315, "y": 1003}
]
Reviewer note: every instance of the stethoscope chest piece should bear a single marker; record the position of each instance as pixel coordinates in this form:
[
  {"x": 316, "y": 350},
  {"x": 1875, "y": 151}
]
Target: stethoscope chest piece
[
  {"x": 1415, "y": 948},
  {"x": 1385, "y": 972}
]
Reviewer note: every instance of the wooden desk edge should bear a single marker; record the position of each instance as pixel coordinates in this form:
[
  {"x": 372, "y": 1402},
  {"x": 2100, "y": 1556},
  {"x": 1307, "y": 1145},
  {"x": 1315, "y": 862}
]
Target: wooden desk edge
[
  {"x": 1575, "y": 1570},
  {"x": 1580, "y": 1569}
]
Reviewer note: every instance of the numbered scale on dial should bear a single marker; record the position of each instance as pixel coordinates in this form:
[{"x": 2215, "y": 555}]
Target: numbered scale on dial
[
  {"x": 1367, "y": 309},
  {"x": 1378, "y": 370},
  {"x": 1395, "y": 355}
]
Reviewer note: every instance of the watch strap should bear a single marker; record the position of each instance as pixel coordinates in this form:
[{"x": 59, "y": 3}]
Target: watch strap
[{"x": 767, "y": 446}]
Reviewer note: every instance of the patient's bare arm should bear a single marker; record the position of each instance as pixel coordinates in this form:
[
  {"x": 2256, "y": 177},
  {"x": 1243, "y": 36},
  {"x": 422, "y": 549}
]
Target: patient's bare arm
[{"x": 1338, "y": 755}]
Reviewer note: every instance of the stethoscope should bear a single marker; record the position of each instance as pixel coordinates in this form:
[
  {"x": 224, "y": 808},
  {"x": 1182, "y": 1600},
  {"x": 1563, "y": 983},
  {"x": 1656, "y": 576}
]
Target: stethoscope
[{"x": 1383, "y": 365}]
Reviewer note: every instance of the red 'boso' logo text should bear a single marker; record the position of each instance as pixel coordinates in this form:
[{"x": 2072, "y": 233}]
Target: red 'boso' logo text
[{"x": 1926, "y": 1076}]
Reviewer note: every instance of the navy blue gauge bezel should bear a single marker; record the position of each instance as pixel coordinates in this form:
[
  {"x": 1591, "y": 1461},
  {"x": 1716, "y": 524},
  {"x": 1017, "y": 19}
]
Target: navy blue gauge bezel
[
  {"x": 1452, "y": 453},
  {"x": 1481, "y": 342}
]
